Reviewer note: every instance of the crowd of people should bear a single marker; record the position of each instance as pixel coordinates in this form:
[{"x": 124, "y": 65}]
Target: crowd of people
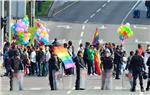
[{"x": 33, "y": 60}]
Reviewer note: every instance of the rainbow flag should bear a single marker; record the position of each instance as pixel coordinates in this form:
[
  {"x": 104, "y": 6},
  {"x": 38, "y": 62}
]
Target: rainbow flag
[
  {"x": 96, "y": 37},
  {"x": 63, "y": 54},
  {"x": 97, "y": 63}
]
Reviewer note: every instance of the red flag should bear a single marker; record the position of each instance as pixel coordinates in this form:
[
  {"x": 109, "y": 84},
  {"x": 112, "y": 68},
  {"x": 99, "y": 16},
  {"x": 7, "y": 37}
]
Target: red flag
[{"x": 97, "y": 63}]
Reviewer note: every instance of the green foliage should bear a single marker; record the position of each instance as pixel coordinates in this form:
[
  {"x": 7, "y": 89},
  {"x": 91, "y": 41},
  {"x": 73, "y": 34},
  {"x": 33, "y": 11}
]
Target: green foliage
[{"x": 45, "y": 7}]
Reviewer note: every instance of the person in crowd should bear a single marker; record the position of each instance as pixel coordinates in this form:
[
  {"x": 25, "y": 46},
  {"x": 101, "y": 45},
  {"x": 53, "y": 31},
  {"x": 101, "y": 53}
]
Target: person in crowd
[
  {"x": 54, "y": 66},
  {"x": 107, "y": 66},
  {"x": 17, "y": 69},
  {"x": 147, "y": 4},
  {"x": 90, "y": 64},
  {"x": 85, "y": 54},
  {"x": 55, "y": 43},
  {"x": 118, "y": 56},
  {"x": 33, "y": 61},
  {"x": 137, "y": 66},
  {"x": 72, "y": 54},
  {"x": 80, "y": 65},
  {"x": 140, "y": 49},
  {"x": 148, "y": 81},
  {"x": 13, "y": 52},
  {"x": 26, "y": 61},
  {"x": 147, "y": 54},
  {"x": 127, "y": 67},
  {"x": 6, "y": 57},
  {"x": 40, "y": 60},
  {"x": 48, "y": 56},
  {"x": 81, "y": 48}
]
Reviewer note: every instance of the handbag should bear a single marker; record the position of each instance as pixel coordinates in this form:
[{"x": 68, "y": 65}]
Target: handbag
[
  {"x": 58, "y": 75},
  {"x": 144, "y": 75}
]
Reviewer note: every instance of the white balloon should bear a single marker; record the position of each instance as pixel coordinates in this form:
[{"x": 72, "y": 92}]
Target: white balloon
[{"x": 128, "y": 24}]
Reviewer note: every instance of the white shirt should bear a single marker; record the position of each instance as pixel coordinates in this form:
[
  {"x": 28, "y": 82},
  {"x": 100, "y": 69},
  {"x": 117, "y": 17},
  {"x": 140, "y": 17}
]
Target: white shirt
[
  {"x": 48, "y": 56},
  {"x": 33, "y": 57}
]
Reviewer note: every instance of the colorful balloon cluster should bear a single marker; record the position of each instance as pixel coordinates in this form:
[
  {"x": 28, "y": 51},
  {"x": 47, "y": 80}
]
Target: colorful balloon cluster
[
  {"x": 20, "y": 30},
  {"x": 41, "y": 34},
  {"x": 125, "y": 32}
]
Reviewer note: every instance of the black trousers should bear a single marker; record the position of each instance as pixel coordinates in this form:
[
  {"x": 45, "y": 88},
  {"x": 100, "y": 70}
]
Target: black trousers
[
  {"x": 52, "y": 79},
  {"x": 148, "y": 12},
  {"x": 11, "y": 80},
  {"x": 135, "y": 76},
  {"x": 148, "y": 82},
  {"x": 77, "y": 85},
  {"x": 118, "y": 69},
  {"x": 90, "y": 67}
]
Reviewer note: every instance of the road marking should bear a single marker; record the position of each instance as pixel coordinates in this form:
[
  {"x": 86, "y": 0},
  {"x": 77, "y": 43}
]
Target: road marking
[
  {"x": 104, "y": 5},
  {"x": 82, "y": 34},
  {"x": 141, "y": 93},
  {"x": 99, "y": 10},
  {"x": 86, "y": 21},
  {"x": 64, "y": 8},
  {"x": 97, "y": 87},
  {"x": 68, "y": 92},
  {"x": 83, "y": 27},
  {"x": 92, "y": 15},
  {"x": 143, "y": 28},
  {"x": 130, "y": 11},
  {"x": 64, "y": 26},
  {"x": 80, "y": 41},
  {"x": 102, "y": 27},
  {"x": 35, "y": 88}
]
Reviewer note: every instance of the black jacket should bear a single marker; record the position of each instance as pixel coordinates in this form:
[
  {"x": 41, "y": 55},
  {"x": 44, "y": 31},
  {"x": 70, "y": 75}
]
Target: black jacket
[
  {"x": 137, "y": 64},
  {"x": 107, "y": 63},
  {"x": 79, "y": 62},
  {"x": 54, "y": 64},
  {"x": 148, "y": 62}
]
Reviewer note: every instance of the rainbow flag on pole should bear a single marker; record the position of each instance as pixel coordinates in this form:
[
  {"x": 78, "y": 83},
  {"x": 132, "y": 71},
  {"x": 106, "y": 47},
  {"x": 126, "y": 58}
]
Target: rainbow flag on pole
[
  {"x": 96, "y": 37},
  {"x": 63, "y": 54}
]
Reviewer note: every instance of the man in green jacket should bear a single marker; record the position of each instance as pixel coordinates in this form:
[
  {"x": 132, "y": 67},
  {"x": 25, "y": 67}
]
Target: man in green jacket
[{"x": 91, "y": 53}]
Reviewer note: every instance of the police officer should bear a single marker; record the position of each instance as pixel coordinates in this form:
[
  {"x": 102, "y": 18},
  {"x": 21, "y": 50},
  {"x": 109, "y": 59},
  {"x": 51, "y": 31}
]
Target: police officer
[
  {"x": 148, "y": 82},
  {"x": 137, "y": 66},
  {"x": 79, "y": 66}
]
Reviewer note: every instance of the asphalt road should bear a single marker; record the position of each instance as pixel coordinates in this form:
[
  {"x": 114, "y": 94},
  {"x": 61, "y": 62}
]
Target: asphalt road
[
  {"x": 79, "y": 21},
  {"x": 40, "y": 86}
]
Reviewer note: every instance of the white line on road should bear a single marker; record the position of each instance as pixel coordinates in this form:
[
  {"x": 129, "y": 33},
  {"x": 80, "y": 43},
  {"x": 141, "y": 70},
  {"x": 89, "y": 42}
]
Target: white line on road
[
  {"x": 64, "y": 26},
  {"x": 97, "y": 87},
  {"x": 142, "y": 28},
  {"x": 141, "y": 93},
  {"x": 35, "y": 88},
  {"x": 104, "y": 5},
  {"x": 68, "y": 92},
  {"x": 83, "y": 27},
  {"x": 99, "y": 10},
  {"x": 80, "y": 41},
  {"x": 64, "y": 8},
  {"x": 92, "y": 15},
  {"x": 130, "y": 11},
  {"x": 86, "y": 21},
  {"x": 82, "y": 34}
]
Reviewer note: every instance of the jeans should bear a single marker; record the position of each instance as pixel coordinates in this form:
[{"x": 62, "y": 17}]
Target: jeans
[{"x": 90, "y": 67}]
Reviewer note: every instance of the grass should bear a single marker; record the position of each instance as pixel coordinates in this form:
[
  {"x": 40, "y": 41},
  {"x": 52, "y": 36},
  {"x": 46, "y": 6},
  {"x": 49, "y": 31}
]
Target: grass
[{"x": 45, "y": 7}]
